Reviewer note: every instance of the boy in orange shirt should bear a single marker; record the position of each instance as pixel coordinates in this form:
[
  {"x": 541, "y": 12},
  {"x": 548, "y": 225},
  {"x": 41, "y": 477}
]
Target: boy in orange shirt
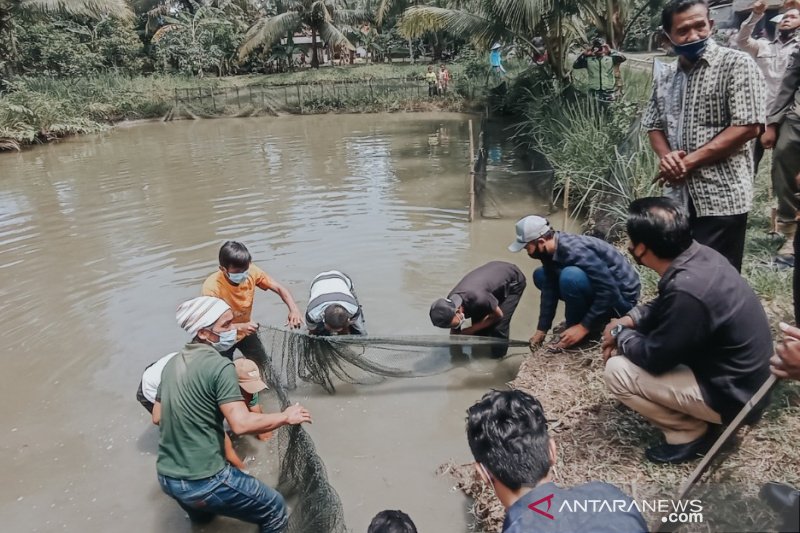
[{"x": 236, "y": 283}]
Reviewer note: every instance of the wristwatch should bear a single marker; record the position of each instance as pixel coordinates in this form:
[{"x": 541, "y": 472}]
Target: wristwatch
[{"x": 616, "y": 330}]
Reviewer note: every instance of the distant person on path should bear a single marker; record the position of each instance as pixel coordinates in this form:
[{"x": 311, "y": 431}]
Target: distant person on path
[
  {"x": 690, "y": 359},
  {"x": 496, "y": 60},
  {"x": 705, "y": 109},
  {"x": 602, "y": 68},
  {"x": 333, "y": 307},
  {"x": 433, "y": 81},
  {"x": 444, "y": 78},
  {"x": 772, "y": 57},
  {"x": 236, "y": 283},
  {"x": 595, "y": 282},
  {"x": 488, "y": 296},
  {"x": 392, "y": 522},
  {"x": 514, "y": 454},
  {"x": 198, "y": 391},
  {"x": 783, "y": 132}
]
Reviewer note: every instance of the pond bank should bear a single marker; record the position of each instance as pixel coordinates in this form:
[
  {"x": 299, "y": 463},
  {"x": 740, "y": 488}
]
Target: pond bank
[
  {"x": 598, "y": 439},
  {"x": 39, "y": 110}
]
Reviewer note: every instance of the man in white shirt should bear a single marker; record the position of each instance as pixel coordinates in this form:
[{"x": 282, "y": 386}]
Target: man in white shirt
[
  {"x": 333, "y": 307},
  {"x": 151, "y": 378}
]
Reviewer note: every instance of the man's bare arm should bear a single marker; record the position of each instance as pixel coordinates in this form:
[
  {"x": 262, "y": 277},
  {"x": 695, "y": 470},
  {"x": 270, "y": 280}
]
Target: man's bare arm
[{"x": 245, "y": 422}]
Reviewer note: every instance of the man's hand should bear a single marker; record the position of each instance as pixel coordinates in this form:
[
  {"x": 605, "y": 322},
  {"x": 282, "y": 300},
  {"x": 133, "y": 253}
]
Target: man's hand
[
  {"x": 297, "y": 414},
  {"x": 759, "y": 7},
  {"x": 786, "y": 362},
  {"x": 672, "y": 166},
  {"x": 247, "y": 327},
  {"x": 609, "y": 344},
  {"x": 572, "y": 336},
  {"x": 295, "y": 320},
  {"x": 769, "y": 136},
  {"x": 538, "y": 338}
]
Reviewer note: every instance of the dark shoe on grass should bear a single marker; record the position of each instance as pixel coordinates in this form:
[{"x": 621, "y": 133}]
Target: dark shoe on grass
[
  {"x": 784, "y": 262},
  {"x": 681, "y": 453},
  {"x": 785, "y": 500}
]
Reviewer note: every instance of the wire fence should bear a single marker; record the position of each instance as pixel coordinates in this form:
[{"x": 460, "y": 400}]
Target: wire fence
[{"x": 311, "y": 97}]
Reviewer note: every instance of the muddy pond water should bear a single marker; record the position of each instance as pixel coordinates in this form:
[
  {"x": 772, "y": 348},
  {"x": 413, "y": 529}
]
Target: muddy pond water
[{"x": 102, "y": 236}]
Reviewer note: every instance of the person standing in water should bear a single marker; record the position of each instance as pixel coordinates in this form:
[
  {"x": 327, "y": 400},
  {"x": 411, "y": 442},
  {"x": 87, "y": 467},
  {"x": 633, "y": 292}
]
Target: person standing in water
[{"x": 236, "y": 283}]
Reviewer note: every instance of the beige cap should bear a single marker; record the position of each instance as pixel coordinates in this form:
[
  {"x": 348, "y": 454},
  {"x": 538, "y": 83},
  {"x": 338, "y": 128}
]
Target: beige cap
[{"x": 249, "y": 376}]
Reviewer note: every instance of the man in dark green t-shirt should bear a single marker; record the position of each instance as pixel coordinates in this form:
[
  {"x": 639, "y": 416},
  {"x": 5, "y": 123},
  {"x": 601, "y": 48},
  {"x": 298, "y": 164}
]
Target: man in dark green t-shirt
[{"x": 199, "y": 389}]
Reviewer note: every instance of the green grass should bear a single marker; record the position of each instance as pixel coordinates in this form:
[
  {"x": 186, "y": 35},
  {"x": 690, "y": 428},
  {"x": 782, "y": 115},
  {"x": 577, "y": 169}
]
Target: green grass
[{"x": 35, "y": 110}]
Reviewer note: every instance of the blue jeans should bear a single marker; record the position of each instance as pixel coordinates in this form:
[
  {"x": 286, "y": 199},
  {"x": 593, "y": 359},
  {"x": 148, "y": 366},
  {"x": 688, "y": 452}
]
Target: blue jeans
[
  {"x": 232, "y": 493},
  {"x": 575, "y": 290}
]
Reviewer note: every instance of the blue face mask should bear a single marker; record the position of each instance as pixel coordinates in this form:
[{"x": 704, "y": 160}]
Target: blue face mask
[
  {"x": 691, "y": 51},
  {"x": 238, "y": 277},
  {"x": 226, "y": 340}
]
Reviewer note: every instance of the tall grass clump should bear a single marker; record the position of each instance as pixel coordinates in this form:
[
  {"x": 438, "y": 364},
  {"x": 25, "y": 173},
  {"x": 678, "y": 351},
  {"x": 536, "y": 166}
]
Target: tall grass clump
[{"x": 601, "y": 152}]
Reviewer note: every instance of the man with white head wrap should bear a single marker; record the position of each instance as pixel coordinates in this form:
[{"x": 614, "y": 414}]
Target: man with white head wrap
[{"x": 199, "y": 389}]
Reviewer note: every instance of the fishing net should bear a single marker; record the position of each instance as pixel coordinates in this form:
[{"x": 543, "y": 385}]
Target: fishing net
[
  {"x": 366, "y": 359},
  {"x": 302, "y": 478}
]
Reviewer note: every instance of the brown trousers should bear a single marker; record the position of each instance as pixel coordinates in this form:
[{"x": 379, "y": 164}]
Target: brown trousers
[{"x": 672, "y": 401}]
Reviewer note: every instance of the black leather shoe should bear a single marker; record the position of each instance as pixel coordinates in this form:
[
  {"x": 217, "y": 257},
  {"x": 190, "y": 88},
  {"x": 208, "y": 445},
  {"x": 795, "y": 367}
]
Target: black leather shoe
[
  {"x": 681, "y": 453},
  {"x": 785, "y": 500}
]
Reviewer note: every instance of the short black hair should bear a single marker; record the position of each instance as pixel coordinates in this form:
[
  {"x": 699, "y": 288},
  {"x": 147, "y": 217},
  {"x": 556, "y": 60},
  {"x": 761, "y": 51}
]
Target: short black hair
[
  {"x": 677, "y": 6},
  {"x": 660, "y": 224},
  {"x": 336, "y": 316},
  {"x": 507, "y": 433},
  {"x": 392, "y": 522},
  {"x": 234, "y": 254}
]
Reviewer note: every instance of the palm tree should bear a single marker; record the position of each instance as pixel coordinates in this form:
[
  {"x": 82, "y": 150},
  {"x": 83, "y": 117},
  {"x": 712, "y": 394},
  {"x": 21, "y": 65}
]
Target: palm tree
[
  {"x": 560, "y": 23},
  {"x": 12, "y": 11},
  {"x": 325, "y": 18},
  {"x": 518, "y": 21}
]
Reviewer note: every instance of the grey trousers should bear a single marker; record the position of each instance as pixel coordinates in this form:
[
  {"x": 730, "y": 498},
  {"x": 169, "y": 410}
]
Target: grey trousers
[{"x": 785, "y": 168}]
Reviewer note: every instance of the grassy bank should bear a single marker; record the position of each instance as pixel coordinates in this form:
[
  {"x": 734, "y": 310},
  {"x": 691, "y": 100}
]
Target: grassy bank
[
  {"x": 598, "y": 439},
  {"x": 36, "y": 110}
]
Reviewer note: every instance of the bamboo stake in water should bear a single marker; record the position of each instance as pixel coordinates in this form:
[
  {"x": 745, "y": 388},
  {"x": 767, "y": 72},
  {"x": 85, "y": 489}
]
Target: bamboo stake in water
[{"x": 471, "y": 174}]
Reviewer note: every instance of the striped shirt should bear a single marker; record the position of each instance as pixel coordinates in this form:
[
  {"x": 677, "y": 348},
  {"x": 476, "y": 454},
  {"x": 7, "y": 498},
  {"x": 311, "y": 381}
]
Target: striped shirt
[
  {"x": 612, "y": 277},
  {"x": 327, "y": 288},
  {"x": 724, "y": 88}
]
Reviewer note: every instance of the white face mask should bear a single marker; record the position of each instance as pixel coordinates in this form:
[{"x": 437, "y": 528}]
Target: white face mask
[
  {"x": 226, "y": 340},
  {"x": 238, "y": 277},
  {"x": 461, "y": 323}
]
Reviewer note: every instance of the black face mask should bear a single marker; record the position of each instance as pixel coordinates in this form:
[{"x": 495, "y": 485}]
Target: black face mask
[
  {"x": 636, "y": 258},
  {"x": 538, "y": 254}
]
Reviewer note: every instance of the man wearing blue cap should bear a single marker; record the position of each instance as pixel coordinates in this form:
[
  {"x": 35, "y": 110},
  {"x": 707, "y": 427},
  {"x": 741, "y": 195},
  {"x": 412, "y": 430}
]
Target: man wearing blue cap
[{"x": 590, "y": 276}]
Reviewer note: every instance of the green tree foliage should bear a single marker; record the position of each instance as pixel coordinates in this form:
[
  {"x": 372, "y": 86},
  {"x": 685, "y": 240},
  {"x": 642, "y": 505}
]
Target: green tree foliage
[
  {"x": 15, "y": 14},
  {"x": 78, "y": 46},
  {"x": 196, "y": 43},
  {"x": 328, "y": 19}
]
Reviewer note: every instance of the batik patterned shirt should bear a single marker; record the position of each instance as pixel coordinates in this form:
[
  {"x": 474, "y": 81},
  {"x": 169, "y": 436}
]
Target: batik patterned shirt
[{"x": 724, "y": 88}]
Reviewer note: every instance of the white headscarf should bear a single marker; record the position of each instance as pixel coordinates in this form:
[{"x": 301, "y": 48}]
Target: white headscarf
[{"x": 199, "y": 313}]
